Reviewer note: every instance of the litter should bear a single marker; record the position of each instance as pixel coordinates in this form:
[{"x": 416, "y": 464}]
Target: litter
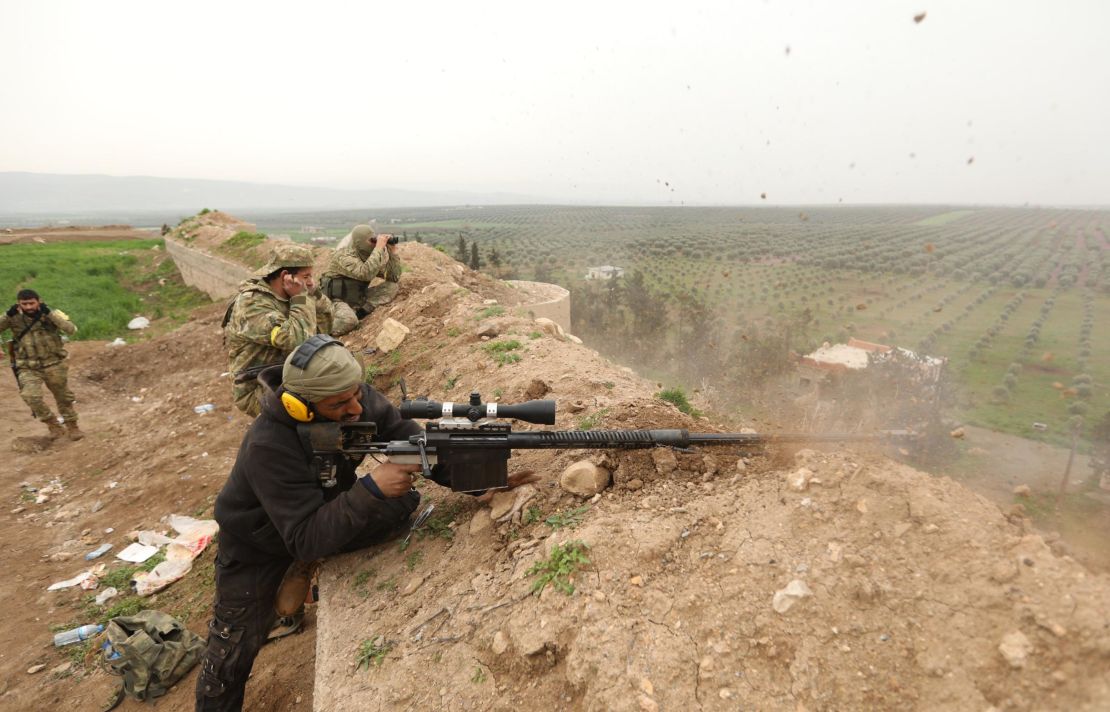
[
  {"x": 205, "y": 408},
  {"x": 106, "y": 595},
  {"x": 193, "y": 536},
  {"x": 98, "y": 552},
  {"x": 137, "y": 552},
  {"x": 117, "y": 342},
  {"x": 139, "y": 322},
  {"x": 69, "y": 583}
]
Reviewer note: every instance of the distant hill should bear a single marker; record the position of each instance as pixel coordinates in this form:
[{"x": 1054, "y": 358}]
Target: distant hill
[{"x": 55, "y": 194}]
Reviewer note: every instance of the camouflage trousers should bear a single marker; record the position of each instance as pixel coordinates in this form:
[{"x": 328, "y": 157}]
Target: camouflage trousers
[
  {"x": 55, "y": 377},
  {"x": 246, "y": 397}
]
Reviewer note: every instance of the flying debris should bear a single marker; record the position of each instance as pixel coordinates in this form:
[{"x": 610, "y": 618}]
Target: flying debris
[
  {"x": 971, "y": 160},
  {"x": 919, "y": 17},
  {"x": 763, "y": 196}
]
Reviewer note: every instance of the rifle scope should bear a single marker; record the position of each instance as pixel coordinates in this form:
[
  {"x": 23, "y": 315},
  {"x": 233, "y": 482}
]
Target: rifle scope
[{"x": 540, "y": 412}]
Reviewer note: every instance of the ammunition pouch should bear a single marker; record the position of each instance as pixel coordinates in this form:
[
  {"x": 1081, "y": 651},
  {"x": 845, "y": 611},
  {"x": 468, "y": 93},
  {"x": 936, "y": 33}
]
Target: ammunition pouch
[{"x": 344, "y": 289}]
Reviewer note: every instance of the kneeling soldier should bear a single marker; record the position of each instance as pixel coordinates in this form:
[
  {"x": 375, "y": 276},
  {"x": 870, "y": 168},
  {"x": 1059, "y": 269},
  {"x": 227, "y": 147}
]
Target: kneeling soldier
[{"x": 275, "y": 513}]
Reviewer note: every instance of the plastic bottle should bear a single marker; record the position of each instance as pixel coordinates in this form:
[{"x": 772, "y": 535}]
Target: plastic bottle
[
  {"x": 76, "y": 635},
  {"x": 205, "y": 408}
]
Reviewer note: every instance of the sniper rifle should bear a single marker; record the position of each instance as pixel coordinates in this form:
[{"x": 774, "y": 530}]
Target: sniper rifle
[{"x": 470, "y": 438}]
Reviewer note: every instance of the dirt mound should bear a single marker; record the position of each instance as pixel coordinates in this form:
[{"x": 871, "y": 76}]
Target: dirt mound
[{"x": 839, "y": 581}]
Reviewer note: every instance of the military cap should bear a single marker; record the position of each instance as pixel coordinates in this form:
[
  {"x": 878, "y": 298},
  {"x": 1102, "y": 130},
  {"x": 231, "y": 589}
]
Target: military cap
[{"x": 284, "y": 255}]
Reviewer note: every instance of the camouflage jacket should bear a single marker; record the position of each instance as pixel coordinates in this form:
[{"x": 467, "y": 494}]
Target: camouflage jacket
[
  {"x": 346, "y": 262},
  {"x": 264, "y": 328},
  {"x": 42, "y": 345},
  {"x": 331, "y": 317}
]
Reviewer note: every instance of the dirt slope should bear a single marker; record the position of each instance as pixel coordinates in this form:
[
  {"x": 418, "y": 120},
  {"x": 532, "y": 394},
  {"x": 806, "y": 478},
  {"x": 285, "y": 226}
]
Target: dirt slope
[{"x": 915, "y": 581}]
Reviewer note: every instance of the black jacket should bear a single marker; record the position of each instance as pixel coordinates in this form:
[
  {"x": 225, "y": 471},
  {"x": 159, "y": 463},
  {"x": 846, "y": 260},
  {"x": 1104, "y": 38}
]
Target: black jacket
[{"x": 273, "y": 506}]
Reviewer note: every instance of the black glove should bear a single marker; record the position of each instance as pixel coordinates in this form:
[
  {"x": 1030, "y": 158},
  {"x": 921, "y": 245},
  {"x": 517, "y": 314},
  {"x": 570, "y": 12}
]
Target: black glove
[
  {"x": 14, "y": 310},
  {"x": 44, "y": 309}
]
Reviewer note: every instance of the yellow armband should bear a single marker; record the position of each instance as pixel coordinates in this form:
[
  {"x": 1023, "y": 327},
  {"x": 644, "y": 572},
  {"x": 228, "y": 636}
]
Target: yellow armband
[{"x": 273, "y": 335}]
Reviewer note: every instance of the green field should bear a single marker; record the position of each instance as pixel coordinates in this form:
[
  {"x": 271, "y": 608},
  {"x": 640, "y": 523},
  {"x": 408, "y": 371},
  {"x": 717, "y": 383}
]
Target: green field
[
  {"x": 99, "y": 285},
  {"x": 711, "y": 281}
]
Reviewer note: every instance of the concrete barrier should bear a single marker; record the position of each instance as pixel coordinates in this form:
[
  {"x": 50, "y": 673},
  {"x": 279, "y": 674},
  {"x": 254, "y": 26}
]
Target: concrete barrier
[{"x": 216, "y": 276}]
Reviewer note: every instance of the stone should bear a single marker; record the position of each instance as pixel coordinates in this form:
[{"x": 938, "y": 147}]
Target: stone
[
  {"x": 481, "y": 521},
  {"x": 500, "y": 643},
  {"x": 584, "y": 479},
  {"x": 647, "y": 704},
  {"x": 958, "y": 433},
  {"x": 709, "y": 465},
  {"x": 36, "y": 668},
  {"x": 634, "y": 485},
  {"x": 636, "y": 580},
  {"x": 799, "y": 479},
  {"x": 784, "y": 599},
  {"x": 391, "y": 336},
  {"x": 741, "y": 466},
  {"x": 493, "y": 327},
  {"x": 1022, "y": 491},
  {"x": 97, "y": 506},
  {"x": 550, "y": 327},
  {"x": 1004, "y": 571},
  {"x": 665, "y": 461},
  {"x": 501, "y": 504},
  {"x": 413, "y": 584},
  {"x": 574, "y": 339},
  {"x": 1015, "y": 648}
]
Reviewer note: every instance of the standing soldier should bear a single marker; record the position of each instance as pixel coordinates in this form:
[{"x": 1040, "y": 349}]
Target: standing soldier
[
  {"x": 38, "y": 357},
  {"x": 353, "y": 266},
  {"x": 275, "y": 312}
]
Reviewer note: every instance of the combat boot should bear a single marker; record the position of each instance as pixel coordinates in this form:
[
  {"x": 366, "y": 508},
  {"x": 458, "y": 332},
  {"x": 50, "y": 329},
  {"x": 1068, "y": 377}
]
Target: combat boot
[
  {"x": 295, "y": 587},
  {"x": 73, "y": 431},
  {"x": 56, "y": 431}
]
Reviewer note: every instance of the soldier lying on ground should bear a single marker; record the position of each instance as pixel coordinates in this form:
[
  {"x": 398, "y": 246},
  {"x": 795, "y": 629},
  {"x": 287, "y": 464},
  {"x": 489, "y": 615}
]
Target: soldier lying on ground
[
  {"x": 39, "y": 358},
  {"x": 275, "y": 312},
  {"x": 354, "y": 266}
]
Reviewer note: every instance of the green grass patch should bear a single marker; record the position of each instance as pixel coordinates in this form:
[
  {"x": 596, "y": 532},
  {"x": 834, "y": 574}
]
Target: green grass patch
[
  {"x": 413, "y": 560},
  {"x": 99, "y": 285},
  {"x": 372, "y": 652},
  {"x": 677, "y": 398},
  {"x": 389, "y": 584},
  {"x": 495, "y": 310},
  {"x": 567, "y": 520},
  {"x": 592, "y": 420},
  {"x": 503, "y": 351},
  {"x": 557, "y": 569}
]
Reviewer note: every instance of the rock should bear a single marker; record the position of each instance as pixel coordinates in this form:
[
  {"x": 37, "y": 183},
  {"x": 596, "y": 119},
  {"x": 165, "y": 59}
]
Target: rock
[
  {"x": 646, "y": 687},
  {"x": 59, "y": 556},
  {"x": 709, "y": 465},
  {"x": 636, "y": 580},
  {"x": 413, "y": 584},
  {"x": 391, "y": 335},
  {"x": 799, "y": 479},
  {"x": 500, "y": 643},
  {"x": 665, "y": 461},
  {"x": 19, "y": 510},
  {"x": 536, "y": 389},
  {"x": 481, "y": 521},
  {"x": 574, "y": 339},
  {"x": 62, "y": 669},
  {"x": 647, "y": 704},
  {"x": 36, "y": 668},
  {"x": 493, "y": 327},
  {"x": 550, "y": 327},
  {"x": 97, "y": 506},
  {"x": 584, "y": 479},
  {"x": 634, "y": 485},
  {"x": 139, "y": 322},
  {"x": 741, "y": 466},
  {"x": 958, "y": 433},
  {"x": 1022, "y": 491},
  {"x": 785, "y": 598},
  {"x": 501, "y": 504},
  {"x": 1015, "y": 647}
]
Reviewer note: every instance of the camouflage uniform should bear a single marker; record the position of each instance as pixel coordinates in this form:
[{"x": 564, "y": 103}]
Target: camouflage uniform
[
  {"x": 352, "y": 268},
  {"x": 262, "y": 328},
  {"x": 40, "y": 358}
]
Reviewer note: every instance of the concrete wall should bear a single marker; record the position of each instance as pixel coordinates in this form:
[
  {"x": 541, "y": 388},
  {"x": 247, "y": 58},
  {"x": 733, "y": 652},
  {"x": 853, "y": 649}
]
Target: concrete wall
[
  {"x": 216, "y": 276},
  {"x": 546, "y": 300}
]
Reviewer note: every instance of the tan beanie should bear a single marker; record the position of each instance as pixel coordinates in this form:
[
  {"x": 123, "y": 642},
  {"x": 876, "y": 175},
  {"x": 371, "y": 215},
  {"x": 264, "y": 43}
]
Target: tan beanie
[{"x": 331, "y": 370}]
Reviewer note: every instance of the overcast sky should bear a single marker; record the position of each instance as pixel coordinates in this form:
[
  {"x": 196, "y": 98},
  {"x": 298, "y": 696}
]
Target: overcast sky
[{"x": 808, "y": 102}]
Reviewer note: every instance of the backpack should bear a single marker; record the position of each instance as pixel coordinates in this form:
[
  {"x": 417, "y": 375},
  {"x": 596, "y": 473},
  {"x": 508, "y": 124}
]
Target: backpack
[{"x": 151, "y": 651}]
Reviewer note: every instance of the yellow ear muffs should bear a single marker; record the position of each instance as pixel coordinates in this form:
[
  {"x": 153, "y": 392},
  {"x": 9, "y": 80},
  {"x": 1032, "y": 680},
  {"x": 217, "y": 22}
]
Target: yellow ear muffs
[{"x": 297, "y": 408}]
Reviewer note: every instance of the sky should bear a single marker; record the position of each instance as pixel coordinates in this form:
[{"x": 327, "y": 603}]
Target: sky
[{"x": 991, "y": 101}]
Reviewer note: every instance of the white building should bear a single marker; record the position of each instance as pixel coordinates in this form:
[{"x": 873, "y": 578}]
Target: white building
[{"x": 605, "y": 272}]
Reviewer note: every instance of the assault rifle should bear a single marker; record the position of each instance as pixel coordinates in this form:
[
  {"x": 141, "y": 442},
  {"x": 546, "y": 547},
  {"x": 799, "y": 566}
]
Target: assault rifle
[
  {"x": 249, "y": 374},
  {"x": 470, "y": 438}
]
